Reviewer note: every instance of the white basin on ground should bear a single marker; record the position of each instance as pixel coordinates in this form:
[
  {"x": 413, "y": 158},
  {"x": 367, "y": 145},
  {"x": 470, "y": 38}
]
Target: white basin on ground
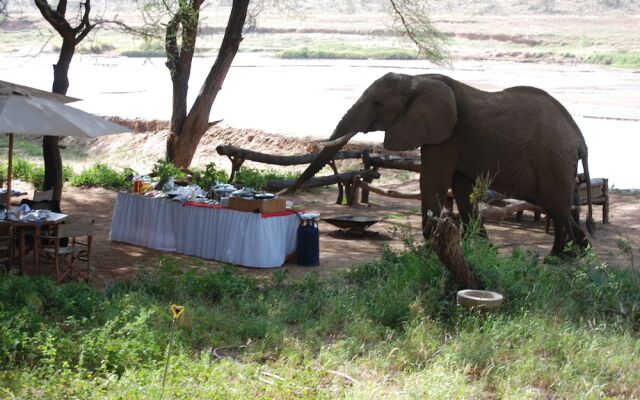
[{"x": 480, "y": 299}]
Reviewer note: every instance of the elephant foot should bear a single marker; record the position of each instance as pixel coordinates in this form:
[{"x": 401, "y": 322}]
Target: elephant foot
[{"x": 569, "y": 254}]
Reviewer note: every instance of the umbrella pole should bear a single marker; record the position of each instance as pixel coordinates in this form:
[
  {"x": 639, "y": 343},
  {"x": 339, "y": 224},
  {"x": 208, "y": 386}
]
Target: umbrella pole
[{"x": 7, "y": 198}]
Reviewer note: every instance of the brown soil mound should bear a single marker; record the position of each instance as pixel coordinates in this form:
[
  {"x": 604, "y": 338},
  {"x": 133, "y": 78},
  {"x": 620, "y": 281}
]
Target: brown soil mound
[{"x": 148, "y": 139}]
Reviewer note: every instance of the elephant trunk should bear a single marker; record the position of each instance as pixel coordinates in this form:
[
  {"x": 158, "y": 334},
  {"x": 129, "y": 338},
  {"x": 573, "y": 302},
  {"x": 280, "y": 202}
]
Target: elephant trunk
[{"x": 343, "y": 129}]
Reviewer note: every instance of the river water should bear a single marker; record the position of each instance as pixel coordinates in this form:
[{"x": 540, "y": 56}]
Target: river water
[{"x": 307, "y": 98}]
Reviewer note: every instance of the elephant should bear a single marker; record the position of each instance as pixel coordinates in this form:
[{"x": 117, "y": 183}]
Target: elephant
[{"x": 521, "y": 136}]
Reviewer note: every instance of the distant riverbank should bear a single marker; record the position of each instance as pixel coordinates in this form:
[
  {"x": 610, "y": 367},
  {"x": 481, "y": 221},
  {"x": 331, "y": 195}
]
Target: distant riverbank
[{"x": 307, "y": 98}]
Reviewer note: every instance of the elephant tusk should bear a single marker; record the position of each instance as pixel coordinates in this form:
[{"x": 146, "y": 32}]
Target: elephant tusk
[{"x": 339, "y": 141}]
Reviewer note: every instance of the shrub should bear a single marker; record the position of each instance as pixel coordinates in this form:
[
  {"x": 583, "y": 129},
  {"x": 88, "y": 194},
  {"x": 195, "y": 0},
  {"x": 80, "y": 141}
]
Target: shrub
[
  {"x": 170, "y": 282},
  {"x": 101, "y": 175},
  {"x": 164, "y": 170},
  {"x": 210, "y": 176},
  {"x": 28, "y": 172},
  {"x": 257, "y": 179}
]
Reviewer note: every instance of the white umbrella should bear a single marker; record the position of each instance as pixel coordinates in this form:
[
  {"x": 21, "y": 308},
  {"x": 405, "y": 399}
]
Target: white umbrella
[{"x": 30, "y": 111}]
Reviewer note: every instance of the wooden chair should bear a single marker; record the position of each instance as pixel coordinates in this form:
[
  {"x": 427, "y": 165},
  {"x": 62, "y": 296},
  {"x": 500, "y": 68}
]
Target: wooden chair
[
  {"x": 7, "y": 247},
  {"x": 42, "y": 201},
  {"x": 80, "y": 237},
  {"x": 599, "y": 197},
  {"x": 46, "y": 195}
]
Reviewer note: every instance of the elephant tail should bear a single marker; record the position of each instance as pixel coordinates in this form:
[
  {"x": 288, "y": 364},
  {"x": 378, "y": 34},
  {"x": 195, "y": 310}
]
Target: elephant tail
[{"x": 585, "y": 166}]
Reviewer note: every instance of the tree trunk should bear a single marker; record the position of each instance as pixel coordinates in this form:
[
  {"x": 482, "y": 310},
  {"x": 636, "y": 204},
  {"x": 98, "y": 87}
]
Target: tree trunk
[
  {"x": 71, "y": 36},
  {"x": 447, "y": 245},
  {"x": 50, "y": 147},
  {"x": 185, "y": 136}
]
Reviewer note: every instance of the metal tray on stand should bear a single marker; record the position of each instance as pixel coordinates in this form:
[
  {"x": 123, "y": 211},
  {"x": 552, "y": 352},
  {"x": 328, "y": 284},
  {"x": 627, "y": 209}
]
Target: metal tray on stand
[{"x": 355, "y": 225}]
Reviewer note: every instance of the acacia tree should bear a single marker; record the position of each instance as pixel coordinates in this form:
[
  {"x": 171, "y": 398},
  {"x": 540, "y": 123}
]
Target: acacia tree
[
  {"x": 188, "y": 127},
  {"x": 71, "y": 36}
]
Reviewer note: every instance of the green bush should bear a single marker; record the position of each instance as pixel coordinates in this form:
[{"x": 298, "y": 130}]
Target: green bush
[
  {"x": 210, "y": 176},
  {"x": 101, "y": 175},
  {"x": 164, "y": 170},
  {"x": 28, "y": 172},
  {"x": 621, "y": 59},
  {"x": 48, "y": 325},
  {"x": 257, "y": 179}
]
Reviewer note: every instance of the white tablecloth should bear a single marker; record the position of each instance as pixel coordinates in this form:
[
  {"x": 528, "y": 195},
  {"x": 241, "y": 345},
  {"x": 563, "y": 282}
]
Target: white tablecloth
[{"x": 237, "y": 237}]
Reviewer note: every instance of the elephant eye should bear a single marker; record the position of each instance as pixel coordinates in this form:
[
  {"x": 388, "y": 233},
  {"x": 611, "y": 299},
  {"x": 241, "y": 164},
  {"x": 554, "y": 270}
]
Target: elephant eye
[{"x": 377, "y": 104}]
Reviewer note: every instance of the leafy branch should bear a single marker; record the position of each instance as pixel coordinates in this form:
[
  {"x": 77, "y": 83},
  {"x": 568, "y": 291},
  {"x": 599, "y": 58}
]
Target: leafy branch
[{"x": 413, "y": 16}]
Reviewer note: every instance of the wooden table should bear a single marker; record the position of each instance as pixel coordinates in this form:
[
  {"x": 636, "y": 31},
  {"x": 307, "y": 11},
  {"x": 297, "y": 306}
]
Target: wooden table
[{"x": 21, "y": 228}]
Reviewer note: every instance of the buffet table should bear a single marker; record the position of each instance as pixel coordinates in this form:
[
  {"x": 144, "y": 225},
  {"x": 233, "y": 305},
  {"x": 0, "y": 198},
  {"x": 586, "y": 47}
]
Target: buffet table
[{"x": 218, "y": 233}]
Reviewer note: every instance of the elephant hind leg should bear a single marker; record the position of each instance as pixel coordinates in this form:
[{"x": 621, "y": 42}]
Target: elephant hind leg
[
  {"x": 564, "y": 233},
  {"x": 579, "y": 237},
  {"x": 559, "y": 232}
]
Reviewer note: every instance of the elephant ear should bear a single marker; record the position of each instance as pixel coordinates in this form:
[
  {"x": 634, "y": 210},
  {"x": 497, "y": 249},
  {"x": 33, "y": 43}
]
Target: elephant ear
[{"x": 429, "y": 116}]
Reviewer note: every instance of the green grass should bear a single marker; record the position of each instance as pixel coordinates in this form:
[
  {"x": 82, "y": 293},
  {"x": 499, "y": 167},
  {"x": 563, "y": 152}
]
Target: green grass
[
  {"x": 345, "y": 51},
  {"x": 22, "y": 146},
  {"x": 620, "y": 59},
  {"x": 396, "y": 216},
  {"x": 146, "y": 49},
  {"x": 568, "y": 331}
]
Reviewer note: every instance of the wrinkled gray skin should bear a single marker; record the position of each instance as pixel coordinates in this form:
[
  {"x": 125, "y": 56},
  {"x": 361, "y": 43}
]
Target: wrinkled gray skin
[{"x": 524, "y": 138}]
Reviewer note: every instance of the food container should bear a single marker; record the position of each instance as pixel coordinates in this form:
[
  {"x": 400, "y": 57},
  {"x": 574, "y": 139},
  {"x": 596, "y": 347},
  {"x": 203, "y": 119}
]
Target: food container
[
  {"x": 262, "y": 206},
  {"x": 219, "y": 193},
  {"x": 137, "y": 184}
]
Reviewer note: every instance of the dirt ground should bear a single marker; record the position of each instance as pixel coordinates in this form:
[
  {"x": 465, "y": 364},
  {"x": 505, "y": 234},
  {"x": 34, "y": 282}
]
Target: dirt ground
[{"x": 120, "y": 261}]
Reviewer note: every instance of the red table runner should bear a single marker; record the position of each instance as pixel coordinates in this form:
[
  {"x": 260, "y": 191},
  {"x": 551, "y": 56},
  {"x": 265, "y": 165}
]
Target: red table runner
[{"x": 220, "y": 206}]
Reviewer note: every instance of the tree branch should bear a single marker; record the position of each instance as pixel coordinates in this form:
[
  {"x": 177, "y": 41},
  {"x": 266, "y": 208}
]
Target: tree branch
[
  {"x": 142, "y": 32},
  {"x": 54, "y": 18},
  {"x": 84, "y": 33},
  {"x": 171, "y": 44},
  {"x": 84, "y": 21},
  {"x": 416, "y": 24},
  {"x": 62, "y": 7}
]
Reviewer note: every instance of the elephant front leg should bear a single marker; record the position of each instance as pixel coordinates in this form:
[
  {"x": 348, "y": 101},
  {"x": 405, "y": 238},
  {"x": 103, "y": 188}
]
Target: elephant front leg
[{"x": 436, "y": 174}]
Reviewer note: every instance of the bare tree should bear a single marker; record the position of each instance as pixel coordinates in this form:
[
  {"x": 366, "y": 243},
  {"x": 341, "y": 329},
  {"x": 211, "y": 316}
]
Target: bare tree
[{"x": 71, "y": 35}]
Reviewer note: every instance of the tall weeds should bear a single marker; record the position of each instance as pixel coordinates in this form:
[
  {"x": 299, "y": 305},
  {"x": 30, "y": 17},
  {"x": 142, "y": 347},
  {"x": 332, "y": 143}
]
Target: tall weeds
[{"x": 386, "y": 324}]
